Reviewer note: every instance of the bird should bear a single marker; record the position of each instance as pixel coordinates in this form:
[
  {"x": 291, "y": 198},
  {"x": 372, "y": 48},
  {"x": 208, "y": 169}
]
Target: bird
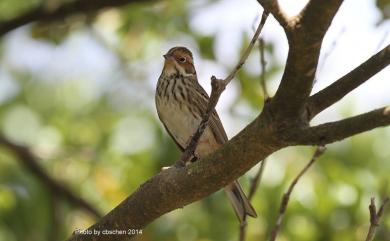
[{"x": 181, "y": 103}]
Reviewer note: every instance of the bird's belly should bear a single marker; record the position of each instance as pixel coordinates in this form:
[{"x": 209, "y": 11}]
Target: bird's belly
[{"x": 182, "y": 124}]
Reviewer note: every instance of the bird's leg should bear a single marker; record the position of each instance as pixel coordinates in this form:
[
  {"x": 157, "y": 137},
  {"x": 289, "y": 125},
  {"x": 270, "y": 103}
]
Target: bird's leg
[
  {"x": 182, "y": 161},
  {"x": 194, "y": 158}
]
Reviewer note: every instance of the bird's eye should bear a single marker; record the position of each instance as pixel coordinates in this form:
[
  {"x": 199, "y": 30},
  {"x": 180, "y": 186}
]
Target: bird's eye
[{"x": 182, "y": 59}]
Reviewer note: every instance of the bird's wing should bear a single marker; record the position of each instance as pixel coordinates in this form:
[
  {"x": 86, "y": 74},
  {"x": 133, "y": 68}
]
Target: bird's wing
[
  {"x": 182, "y": 148},
  {"x": 217, "y": 128}
]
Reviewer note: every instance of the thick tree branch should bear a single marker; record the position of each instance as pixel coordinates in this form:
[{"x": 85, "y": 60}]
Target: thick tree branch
[
  {"x": 336, "y": 91},
  {"x": 297, "y": 81},
  {"x": 338, "y": 130},
  {"x": 305, "y": 41},
  {"x": 28, "y": 160},
  {"x": 41, "y": 13},
  {"x": 176, "y": 187},
  {"x": 317, "y": 16}
]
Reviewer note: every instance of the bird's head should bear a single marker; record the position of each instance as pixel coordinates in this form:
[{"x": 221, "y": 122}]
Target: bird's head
[{"x": 179, "y": 60}]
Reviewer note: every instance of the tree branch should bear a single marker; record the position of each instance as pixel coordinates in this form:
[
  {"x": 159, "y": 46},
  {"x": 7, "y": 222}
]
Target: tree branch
[
  {"x": 336, "y": 91},
  {"x": 305, "y": 39},
  {"x": 338, "y": 130},
  {"x": 41, "y": 13},
  {"x": 286, "y": 197},
  {"x": 317, "y": 16},
  {"x": 272, "y": 6},
  {"x": 28, "y": 160},
  {"x": 217, "y": 87},
  {"x": 263, "y": 64},
  {"x": 375, "y": 217},
  {"x": 176, "y": 187},
  {"x": 255, "y": 182}
]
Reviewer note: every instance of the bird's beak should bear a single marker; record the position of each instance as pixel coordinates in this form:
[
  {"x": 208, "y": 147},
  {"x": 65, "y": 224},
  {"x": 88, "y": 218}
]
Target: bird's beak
[{"x": 165, "y": 56}]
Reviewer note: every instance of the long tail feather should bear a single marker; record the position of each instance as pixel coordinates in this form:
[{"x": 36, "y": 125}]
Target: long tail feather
[{"x": 239, "y": 201}]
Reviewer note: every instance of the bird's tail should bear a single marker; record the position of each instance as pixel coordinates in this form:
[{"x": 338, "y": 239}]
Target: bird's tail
[{"x": 239, "y": 201}]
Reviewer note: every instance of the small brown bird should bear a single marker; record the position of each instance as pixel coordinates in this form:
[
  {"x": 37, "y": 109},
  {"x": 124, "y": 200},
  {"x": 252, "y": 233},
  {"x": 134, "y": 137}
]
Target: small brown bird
[{"x": 181, "y": 103}]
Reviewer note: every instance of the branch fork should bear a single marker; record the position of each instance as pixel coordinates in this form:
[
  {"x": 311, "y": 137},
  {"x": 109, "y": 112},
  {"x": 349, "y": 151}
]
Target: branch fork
[{"x": 375, "y": 217}]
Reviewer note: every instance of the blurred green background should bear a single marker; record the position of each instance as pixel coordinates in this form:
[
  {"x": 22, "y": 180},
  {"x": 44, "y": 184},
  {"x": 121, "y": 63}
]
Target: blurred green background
[{"x": 79, "y": 93}]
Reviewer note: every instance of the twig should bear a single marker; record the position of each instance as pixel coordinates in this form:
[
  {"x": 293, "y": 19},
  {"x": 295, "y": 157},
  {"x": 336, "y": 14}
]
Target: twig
[
  {"x": 375, "y": 217},
  {"x": 382, "y": 41},
  {"x": 28, "y": 160},
  {"x": 56, "y": 219},
  {"x": 241, "y": 234},
  {"x": 218, "y": 86},
  {"x": 283, "y": 206},
  {"x": 217, "y": 89},
  {"x": 263, "y": 64},
  {"x": 256, "y": 179},
  {"x": 122, "y": 60},
  {"x": 273, "y": 7},
  {"x": 264, "y": 17},
  {"x": 328, "y": 53},
  {"x": 255, "y": 182}
]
